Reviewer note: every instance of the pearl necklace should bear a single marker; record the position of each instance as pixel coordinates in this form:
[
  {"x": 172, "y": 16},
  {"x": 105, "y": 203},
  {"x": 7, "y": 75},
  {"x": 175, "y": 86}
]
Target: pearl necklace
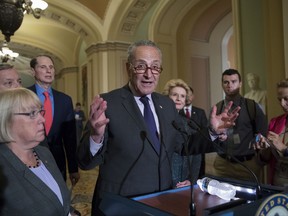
[{"x": 37, "y": 160}]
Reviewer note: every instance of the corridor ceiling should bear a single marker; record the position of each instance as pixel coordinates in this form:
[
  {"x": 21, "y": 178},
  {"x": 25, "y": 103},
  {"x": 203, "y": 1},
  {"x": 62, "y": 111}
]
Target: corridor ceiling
[{"x": 68, "y": 27}]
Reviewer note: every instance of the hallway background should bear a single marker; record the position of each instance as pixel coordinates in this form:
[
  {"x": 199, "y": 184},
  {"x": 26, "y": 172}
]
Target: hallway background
[
  {"x": 88, "y": 39},
  {"x": 199, "y": 39}
]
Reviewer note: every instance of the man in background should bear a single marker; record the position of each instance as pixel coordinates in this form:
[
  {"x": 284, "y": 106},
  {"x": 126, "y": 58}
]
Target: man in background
[
  {"x": 9, "y": 77},
  {"x": 80, "y": 118},
  {"x": 251, "y": 121},
  {"x": 60, "y": 123}
]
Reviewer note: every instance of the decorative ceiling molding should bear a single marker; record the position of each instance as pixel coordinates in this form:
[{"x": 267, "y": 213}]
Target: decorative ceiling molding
[
  {"x": 134, "y": 16},
  {"x": 71, "y": 24}
]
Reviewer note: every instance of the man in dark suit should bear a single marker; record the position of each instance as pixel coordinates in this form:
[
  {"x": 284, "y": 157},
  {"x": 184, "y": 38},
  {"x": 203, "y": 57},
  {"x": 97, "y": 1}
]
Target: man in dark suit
[
  {"x": 134, "y": 155},
  {"x": 61, "y": 137},
  {"x": 198, "y": 116}
]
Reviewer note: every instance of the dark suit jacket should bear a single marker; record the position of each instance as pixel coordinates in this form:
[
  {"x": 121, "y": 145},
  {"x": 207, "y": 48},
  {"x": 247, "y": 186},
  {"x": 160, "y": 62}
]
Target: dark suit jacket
[
  {"x": 129, "y": 164},
  {"x": 199, "y": 116},
  {"x": 199, "y": 119},
  {"x": 63, "y": 132},
  {"x": 25, "y": 194}
]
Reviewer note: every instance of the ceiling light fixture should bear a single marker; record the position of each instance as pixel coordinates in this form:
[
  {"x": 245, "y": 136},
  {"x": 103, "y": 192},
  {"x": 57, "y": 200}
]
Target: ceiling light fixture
[
  {"x": 6, "y": 54},
  {"x": 12, "y": 12}
]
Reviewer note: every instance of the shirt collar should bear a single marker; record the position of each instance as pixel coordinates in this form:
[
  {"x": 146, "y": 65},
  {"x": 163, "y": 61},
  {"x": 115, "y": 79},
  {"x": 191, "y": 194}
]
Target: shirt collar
[{"x": 41, "y": 90}]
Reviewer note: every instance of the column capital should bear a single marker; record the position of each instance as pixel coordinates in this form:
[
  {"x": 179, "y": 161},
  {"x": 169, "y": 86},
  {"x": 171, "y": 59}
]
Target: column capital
[{"x": 107, "y": 46}]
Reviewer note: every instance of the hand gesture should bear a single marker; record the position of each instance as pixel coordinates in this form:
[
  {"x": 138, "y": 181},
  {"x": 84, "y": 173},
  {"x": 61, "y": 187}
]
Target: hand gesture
[
  {"x": 259, "y": 142},
  {"x": 276, "y": 141},
  {"x": 226, "y": 119},
  {"x": 183, "y": 184},
  {"x": 74, "y": 178},
  {"x": 98, "y": 118}
]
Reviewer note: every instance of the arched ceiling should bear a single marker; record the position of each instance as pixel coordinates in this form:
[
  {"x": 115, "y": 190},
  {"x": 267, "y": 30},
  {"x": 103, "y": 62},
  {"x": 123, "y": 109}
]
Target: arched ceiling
[
  {"x": 68, "y": 27},
  {"x": 99, "y": 7},
  {"x": 68, "y": 24}
]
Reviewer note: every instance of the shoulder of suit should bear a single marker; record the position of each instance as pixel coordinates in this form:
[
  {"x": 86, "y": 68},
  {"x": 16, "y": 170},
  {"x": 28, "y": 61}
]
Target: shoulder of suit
[
  {"x": 158, "y": 95},
  {"x": 62, "y": 94},
  {"x": 117, "y": 93},
  {"x": 161, "y": 98},
  {"x": 197, "y": 108},
  {"x": 32, "y": 88}
]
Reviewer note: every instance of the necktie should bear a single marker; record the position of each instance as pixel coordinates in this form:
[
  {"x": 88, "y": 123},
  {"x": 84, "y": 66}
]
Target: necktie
[
  {"x": 150, "y": 122},
  {"x": 187, "y": 113},
  {"x": 48, "y": 112}
]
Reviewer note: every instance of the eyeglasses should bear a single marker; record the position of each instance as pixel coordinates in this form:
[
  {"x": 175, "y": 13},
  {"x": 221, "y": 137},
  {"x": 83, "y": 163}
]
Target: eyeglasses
[
  {"x": 142, "y": 68},
  {"x": 33, "y": 114}
]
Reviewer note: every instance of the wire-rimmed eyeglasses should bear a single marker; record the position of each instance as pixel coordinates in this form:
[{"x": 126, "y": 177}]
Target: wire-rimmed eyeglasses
[
  {"x": 142, "y": 68},
  {"x": 33, "y": 114}
]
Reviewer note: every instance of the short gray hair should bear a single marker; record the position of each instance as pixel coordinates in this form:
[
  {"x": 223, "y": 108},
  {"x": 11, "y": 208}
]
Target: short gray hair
[
  {"x": 11, "y": 101},
  {"x": 5, "y": 66},
  {"x": 139, "y": 43}
]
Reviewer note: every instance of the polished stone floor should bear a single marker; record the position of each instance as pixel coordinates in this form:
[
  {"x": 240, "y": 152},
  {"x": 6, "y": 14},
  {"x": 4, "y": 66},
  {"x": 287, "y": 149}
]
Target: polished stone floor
[{"x": 83, "y": 191}]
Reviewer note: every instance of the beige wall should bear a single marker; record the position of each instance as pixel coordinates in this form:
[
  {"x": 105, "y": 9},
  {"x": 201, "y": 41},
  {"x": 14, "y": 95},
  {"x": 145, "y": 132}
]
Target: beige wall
[{"x": 259, "y": 44}]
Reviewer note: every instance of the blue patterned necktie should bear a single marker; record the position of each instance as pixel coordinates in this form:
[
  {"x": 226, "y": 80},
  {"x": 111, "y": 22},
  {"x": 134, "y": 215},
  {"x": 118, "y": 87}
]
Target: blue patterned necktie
[{"x": 150, "y": 122}]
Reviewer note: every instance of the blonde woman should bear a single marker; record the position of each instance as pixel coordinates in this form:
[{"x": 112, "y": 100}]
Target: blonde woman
[
  {"x": 34, "y": 183},
  {"x": 182, "y": 166}
]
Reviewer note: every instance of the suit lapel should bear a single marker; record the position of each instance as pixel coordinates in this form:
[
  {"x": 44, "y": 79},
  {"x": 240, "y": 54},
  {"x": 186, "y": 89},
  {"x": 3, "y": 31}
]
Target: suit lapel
[
  {"x": 58, "y": 178},
  {"x": 159, "y": 108},
  {"x": 42, "y": 187},
  {"x": 194, "y": 115},
  {"x": 30, "y": 177},
  {"x": 132, "y": 108}
]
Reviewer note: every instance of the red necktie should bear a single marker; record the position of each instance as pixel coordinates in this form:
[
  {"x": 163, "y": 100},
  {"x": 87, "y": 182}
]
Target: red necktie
[
  {"x": 187, "y": 113},
  {"x": 48, "y": 112}
]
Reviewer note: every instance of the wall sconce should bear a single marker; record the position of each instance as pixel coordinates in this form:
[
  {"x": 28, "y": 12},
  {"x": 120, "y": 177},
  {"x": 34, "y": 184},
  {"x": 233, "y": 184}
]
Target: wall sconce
[
  {"x": 6, "y": 54},
  {"x": 12, "y": 12}
]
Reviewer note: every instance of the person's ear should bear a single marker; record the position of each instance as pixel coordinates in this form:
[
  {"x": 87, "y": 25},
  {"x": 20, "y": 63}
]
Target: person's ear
[
  {"x": 128, "y": 69},
  {"x": 33, "y": 72}
]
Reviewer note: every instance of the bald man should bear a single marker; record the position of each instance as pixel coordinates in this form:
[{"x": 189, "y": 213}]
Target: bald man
[{"x": 9, "y": 77}]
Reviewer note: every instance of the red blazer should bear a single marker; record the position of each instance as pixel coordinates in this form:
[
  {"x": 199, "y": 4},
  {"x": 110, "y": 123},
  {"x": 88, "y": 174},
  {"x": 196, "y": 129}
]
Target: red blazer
[{"x": 276, "y": 125}]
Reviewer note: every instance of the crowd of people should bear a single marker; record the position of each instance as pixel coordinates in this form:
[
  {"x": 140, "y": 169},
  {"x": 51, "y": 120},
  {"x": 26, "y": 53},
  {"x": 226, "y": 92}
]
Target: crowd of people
[{"x": 142, "y": 141}]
